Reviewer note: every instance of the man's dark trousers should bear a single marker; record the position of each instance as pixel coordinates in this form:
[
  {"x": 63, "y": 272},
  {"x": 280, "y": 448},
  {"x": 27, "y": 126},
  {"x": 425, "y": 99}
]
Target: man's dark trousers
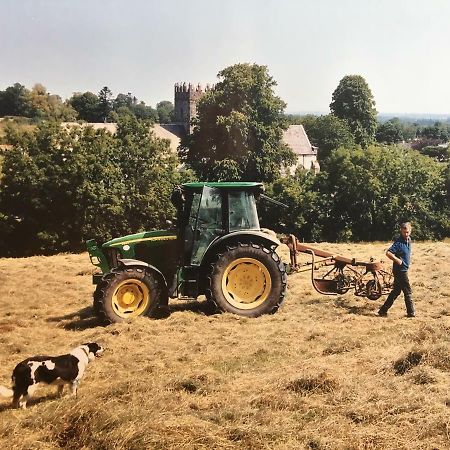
[{"x": 401, "y": 283}]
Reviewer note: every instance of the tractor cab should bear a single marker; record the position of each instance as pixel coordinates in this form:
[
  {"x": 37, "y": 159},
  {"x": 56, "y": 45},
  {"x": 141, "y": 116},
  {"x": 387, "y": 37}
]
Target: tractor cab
[{"x": 208, "y": 211}]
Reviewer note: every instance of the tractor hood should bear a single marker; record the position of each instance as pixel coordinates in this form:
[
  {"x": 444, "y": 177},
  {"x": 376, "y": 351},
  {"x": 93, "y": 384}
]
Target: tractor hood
[{"x": 145, "y": 236}]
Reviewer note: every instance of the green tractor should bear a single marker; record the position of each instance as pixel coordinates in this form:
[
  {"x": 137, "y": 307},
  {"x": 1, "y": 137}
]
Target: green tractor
[{"x": 216, "y": 249}]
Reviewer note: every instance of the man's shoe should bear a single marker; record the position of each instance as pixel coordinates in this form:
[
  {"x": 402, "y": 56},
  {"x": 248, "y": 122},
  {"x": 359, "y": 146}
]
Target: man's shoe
[{"x": 382, "y": 313}]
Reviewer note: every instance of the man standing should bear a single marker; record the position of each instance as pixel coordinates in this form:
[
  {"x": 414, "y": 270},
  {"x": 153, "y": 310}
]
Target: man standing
[{"x": 400, "y": 253}]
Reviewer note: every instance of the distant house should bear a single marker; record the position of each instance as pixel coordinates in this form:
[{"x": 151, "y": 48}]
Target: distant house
[{"x": 296, "y": 138}]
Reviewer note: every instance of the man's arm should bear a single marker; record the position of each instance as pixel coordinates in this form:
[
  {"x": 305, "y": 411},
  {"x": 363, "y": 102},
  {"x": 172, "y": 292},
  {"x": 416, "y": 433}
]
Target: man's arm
[{"x": 392, "y": 257}]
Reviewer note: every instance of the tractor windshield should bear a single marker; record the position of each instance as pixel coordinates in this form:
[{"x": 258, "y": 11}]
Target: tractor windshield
[{"x": 243, "y": 213}]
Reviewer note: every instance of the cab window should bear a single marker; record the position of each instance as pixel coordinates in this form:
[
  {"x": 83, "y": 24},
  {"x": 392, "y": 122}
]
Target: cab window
[{"x": 242, "y": 211}]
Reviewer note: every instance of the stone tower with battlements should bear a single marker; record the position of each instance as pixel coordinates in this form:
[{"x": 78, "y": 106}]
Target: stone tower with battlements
[{"x": 185, "y": 105}]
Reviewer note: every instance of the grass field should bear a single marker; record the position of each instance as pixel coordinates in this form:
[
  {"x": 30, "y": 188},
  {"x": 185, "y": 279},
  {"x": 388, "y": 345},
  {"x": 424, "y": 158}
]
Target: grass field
[{"x": 323, "y": 373}]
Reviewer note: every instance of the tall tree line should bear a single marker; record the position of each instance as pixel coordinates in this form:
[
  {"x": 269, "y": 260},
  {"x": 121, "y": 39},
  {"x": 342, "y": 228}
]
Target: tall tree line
[{"x": 37, "y": 103}]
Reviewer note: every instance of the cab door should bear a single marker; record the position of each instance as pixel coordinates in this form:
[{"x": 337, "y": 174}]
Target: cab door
[{"x": 209, "y": 223}]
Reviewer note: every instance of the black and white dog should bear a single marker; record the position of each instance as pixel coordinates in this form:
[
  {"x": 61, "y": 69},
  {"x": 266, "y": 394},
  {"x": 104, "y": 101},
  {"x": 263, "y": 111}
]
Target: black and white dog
[{"x": 55, "y": 370}]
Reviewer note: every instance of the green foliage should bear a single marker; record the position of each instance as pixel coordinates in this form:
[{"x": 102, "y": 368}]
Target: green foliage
[
  {"x": 93, "y": 108},
  {"x": 105, "y": 103},
  {"x": 18, "y": 101},
  {"x": 240, "y": 120},
  {"x": 144, "y": 112},
  {"x": 298, "y": 194},
  {"x": 49, "y": 106},
  {"x": 124, "y": 100},
  {"x": 439, "y": 132},
  {"x": 353, "y": 101},
  {"x": 128, "y": 105},
  {"x": 60, "y": 187},
  {"x": 328, "y": 133},
  {"x": 390, "y": 132},
  {"x": 447, "y": 183},
  {"x": 87, "y": 105},
  {"x": 369, "y": 192},
  {"x": 15, "y": 101},
  {"x": 165, "y": 111},
  {"x": 438, "y": 152},
  {"x": 363, "y": 196}
]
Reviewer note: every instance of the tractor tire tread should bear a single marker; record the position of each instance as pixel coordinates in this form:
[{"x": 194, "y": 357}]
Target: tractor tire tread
[
  {"x": 270, "y": 251},
  {"x": 100, "y": 292}
]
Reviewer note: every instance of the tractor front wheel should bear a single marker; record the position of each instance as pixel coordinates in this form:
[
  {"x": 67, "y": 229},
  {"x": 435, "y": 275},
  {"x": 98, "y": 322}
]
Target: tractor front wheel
[
  {"x": 127, "y": 293},
  {"x": 248, "y": 280}
]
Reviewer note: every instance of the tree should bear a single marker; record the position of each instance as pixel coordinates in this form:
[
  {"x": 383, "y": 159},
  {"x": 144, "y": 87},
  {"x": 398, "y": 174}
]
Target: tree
[
  {"x": 366, "y": 194},
  {"x": 165, "y": 111},
  {"x": 240, "y": 120},
  {"x": 144, "y": 112},
  {"x": 62, "y": 186},
  {"x": 124, "y": 100},
  {"x": 328, "y": 133},
  {"x": 390, "y": 132},
  {"x": 439, "y": 132},
  {"x": 87, "y": 105},
  {"x": 298, "y": 193},
  {"x": 105, "y": 103},
  {"x": 447, "y": 187},
  {"x": 353, "y": 101},
  {"x": 15, "y": 101},
  {"x": 49, "y": 106}
]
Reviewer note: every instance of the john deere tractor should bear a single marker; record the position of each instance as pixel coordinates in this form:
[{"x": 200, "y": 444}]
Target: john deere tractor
[{"x": 216, "y": 249}]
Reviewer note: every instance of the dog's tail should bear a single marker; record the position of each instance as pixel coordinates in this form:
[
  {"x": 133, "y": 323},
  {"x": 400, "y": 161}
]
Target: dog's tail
[{"x": 5, "y": 392}]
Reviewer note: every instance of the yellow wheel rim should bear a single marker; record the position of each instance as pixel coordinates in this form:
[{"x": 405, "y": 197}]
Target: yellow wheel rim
[
  {"x": 130, "y": 299},
  {"x": 246, "y": 283}
]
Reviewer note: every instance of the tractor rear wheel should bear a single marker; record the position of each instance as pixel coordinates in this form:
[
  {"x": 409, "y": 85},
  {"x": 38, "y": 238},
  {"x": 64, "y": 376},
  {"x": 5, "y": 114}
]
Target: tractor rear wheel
[
  {"x": 127, "y": 293},
  {"x": 248, "y": 280}
]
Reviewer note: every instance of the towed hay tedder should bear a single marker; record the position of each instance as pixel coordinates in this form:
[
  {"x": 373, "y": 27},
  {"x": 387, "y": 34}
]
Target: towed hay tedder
[{"x": 335, "y": 274}]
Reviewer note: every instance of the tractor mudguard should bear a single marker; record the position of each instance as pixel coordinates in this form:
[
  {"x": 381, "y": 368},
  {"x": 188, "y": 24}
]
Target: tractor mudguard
[
  {"x": 137, "y": 263},
  {"x": 257, "y": 237}
]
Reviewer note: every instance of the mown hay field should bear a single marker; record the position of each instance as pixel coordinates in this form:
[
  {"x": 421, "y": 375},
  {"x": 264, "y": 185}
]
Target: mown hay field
[{"x": 323, "y": 373}]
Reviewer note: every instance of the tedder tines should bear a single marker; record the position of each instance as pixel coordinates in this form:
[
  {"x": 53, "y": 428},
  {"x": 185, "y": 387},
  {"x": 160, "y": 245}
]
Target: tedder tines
[{"x": 218, "y": 250}]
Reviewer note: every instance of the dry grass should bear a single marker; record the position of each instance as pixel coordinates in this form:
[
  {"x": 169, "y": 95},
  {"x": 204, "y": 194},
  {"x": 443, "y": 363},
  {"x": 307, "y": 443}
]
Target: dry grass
[{"x": 322, "y": 373}]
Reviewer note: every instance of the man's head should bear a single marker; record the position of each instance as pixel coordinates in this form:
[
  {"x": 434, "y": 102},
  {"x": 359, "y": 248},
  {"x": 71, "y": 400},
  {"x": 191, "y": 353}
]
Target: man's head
[{"x": 405, "y": 229}]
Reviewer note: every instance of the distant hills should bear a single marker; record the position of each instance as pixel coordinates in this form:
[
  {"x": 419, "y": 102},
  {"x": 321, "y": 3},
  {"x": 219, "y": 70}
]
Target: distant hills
[
  {"x": 383, "y": 117},
  {"x": 415, "y": 117}
]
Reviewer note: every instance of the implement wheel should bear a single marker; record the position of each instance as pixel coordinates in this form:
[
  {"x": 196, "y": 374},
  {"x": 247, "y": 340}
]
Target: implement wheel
[
  {"x": 373, "y": 290},
  {"x": 248, "y": 280},
  {"x": 125, "y": 294}
]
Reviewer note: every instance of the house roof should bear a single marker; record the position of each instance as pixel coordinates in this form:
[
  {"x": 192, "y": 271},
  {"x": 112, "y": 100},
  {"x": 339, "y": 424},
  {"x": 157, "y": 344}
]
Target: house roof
[
  {"x": 170, "y": 132},
  {"x": 295, "y": 137}
]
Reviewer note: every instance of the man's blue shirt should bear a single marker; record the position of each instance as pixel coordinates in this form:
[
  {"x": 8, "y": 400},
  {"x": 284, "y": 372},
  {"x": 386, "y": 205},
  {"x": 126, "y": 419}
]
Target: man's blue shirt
[{"x": 401, "y": 248}]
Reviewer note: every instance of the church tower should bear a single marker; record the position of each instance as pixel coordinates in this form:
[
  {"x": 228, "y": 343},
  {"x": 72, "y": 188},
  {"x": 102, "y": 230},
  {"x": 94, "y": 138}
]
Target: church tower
[{"x": 185, "y": 105}]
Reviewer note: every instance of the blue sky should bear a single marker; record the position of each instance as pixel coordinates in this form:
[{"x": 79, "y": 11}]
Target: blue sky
[{"x": 400, "y": 47}]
